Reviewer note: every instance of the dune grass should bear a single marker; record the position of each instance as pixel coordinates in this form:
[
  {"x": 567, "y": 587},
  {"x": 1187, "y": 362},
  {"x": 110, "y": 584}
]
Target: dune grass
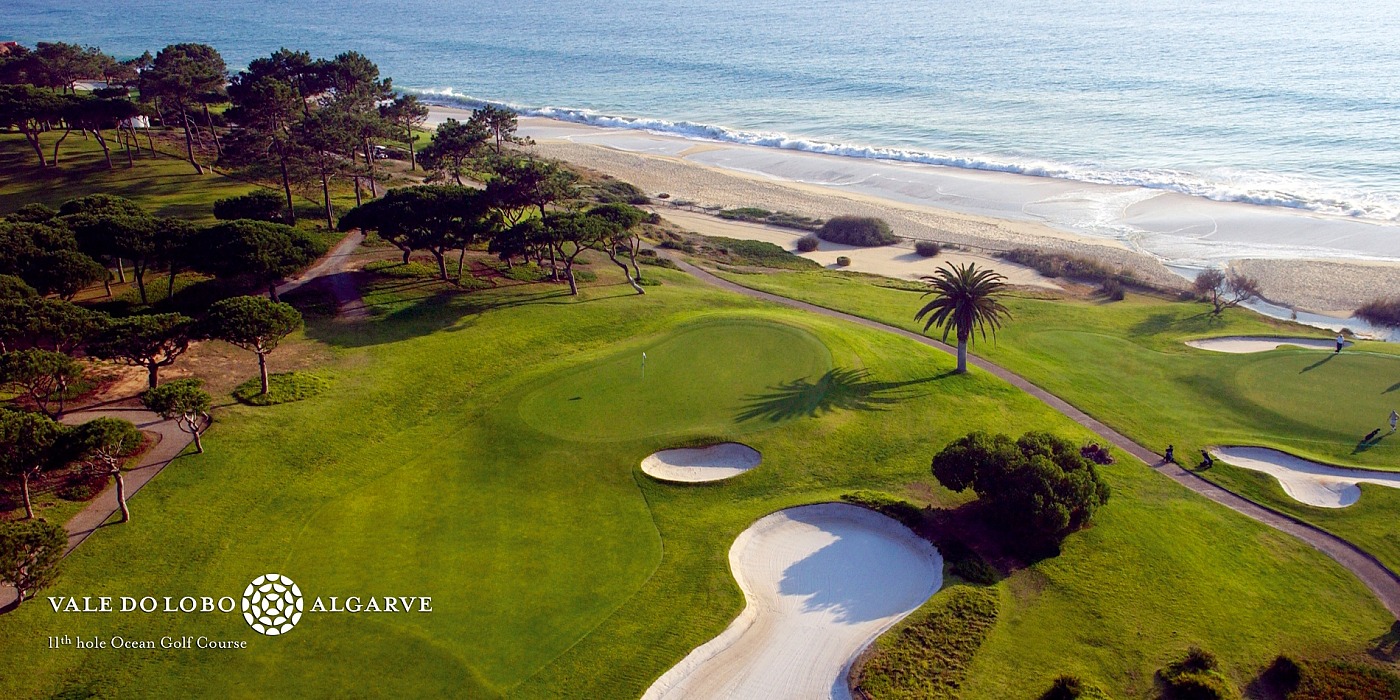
[
  {"x": 1126, "y": 363},
  {"x": 558, "y": 570}
]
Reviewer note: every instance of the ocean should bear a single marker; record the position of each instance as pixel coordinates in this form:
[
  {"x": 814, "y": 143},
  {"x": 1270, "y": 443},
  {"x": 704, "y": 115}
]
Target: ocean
[{"x": 1291, "y": 106}]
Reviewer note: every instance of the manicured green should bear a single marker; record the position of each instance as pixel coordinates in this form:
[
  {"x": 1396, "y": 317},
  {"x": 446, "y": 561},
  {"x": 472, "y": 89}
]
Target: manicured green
[
  {"x": 717, "y": 378},
  {"x": 558, "y": 570},
  {"x": 1127, "y": 364}
]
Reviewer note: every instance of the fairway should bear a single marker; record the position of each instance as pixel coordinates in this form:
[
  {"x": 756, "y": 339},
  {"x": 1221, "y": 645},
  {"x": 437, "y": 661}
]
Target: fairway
[{"x": 707, "y": 378}]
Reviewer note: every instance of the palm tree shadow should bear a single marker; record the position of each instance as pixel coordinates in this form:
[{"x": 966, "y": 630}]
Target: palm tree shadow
[
  {"x": 843, "y": 389},
  {"x": 1393, "y": 387}
]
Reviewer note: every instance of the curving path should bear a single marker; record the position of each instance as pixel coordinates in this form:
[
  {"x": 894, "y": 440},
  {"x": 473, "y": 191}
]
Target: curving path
[
  {"x": 170, "y": 442},
  {"x": 1382, "y": 581},
  {"x": 1306, "y": 481},
  {"x": 701, "y": 464},
  {"x": 820, "y": 583},
  {"x": 332, "y": 266}
]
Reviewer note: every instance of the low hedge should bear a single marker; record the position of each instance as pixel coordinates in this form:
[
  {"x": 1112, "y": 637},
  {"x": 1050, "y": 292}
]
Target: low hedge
[{"x": 866, "y": 231}]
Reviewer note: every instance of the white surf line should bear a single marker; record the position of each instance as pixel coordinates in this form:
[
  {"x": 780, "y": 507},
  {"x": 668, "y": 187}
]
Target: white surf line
[
  {"x": 1242, "y": 344},
  {"x": 1306, "y": 481},
  {"x": 700, "y": 464},
  {"x": 820, "y": 582}
]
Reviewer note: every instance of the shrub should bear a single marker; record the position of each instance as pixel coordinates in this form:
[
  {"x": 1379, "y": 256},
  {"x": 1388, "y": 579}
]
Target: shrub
[
  {"x": 1038, "y": 487},
  {"x": 772, "y": 218},
  {"x": 82, "y": 491},
  {"x": 611, "y": 191},
  {"x": 857, "y": 230},
  {"x": 1197, "y": 677},
  {"x": 585, "y": 276},
  {"x": 843, "y": 261},
  {"x": 1113, "y": 290},
  {"x": 736, "y": 251},
  {"x": 259, "y": 205},
  {"x": 1096, "y": 453},
  {"x": 658, "y": 262},
  {"x": 1074, "y": 267},
  {"x": 1071, "y": 688},
  {"x": 928, "y": 249},
  {"x": 1381, "y": 312},
  {"x": 807, "y": 244},
  {"x": 528, "y": 272},
  {"x": 282, "y": 388}
]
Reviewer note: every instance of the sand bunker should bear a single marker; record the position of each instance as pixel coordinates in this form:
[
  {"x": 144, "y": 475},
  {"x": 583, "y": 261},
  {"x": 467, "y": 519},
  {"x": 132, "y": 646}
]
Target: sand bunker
[
  {"x": 821, "y": 582},
  {"x": 696, "y": 464},
  {"x": 1245, "y": 344},
  {"x": 1309, "y": 482}
]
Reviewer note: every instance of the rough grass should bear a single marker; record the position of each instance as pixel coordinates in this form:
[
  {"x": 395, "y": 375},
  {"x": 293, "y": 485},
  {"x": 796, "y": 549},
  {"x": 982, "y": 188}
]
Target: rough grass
[
  {"x": 285, "y": 387},
  {"x": 1126, "y": 363},
  {"x": 556, "y": 572},
  {"x": 734, "y": 251},
  {"x": 930, "y": 655}
]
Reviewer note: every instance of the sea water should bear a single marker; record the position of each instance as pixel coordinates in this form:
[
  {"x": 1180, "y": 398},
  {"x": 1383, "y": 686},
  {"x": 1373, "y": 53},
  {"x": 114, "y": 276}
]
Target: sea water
[{"x": 1292, "y": 106}]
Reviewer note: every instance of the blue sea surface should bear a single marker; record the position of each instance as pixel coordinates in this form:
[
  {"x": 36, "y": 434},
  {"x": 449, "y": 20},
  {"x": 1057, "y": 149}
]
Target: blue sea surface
[{"x": 1292, "y": 104}]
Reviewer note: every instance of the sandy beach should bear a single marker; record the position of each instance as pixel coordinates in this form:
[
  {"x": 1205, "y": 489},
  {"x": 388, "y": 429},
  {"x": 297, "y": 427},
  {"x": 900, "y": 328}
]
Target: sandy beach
[{"x": 988, "y": 212}]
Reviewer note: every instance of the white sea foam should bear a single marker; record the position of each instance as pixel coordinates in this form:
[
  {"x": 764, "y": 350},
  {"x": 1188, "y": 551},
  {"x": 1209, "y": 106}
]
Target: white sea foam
[{"x": 1224, "y": 186}]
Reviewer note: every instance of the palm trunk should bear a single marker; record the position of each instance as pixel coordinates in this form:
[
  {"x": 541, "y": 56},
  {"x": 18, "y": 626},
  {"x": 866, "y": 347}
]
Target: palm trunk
[
  {"x": 121, "y": 494},
  {"x": 962, "y": 355},
  {"x": 262, "y": 371}
]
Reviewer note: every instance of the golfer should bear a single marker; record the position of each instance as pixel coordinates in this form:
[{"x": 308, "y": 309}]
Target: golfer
[
  {"x": 1341, "y": 340},
  {"x": 1394, "y": 418}
]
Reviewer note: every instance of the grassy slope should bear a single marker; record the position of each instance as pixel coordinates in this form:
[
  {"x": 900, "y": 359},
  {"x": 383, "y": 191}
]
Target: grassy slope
[
  {"x": 557, "y": 570},
  {"x": 1126, "y": 364}
]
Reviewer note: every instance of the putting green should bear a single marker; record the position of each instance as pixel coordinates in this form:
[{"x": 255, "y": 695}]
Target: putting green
[
  {"x": 699, "y": 379},
  {"x": 1347, "y": 395}
]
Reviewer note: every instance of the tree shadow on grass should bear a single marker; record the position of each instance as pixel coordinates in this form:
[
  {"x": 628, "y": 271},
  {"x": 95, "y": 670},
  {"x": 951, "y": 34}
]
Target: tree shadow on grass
[
  {"x": 1386, "y": 647},
  {"x": 1393, "y": 387},
  {"x": 847, "y": 389}
]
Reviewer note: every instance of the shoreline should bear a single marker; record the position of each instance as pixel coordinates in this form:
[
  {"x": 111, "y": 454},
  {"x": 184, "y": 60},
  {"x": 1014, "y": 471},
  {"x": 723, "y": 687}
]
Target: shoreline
[{"x": 1325, "y": 285}]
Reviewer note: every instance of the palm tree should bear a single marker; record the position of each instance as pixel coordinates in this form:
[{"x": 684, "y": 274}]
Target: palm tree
[{"x": 964, "y": 299}]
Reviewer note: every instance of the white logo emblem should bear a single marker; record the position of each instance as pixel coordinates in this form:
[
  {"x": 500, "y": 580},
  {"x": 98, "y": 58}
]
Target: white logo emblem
[{"x": 272, "y": 604}]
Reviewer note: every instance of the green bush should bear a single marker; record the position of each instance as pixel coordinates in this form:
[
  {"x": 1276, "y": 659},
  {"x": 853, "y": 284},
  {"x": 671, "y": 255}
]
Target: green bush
[
  {"x": 81, "y": 491},
  {"x": 1038, "y": 487},
  {"x": 613, "y": 191},
  {"x": 528, "y": 272},
  {"x": 772, "y": 218},
  {"x": 807, "y": 244},
  {"x": 585, "y": 276},
  {"x": 736, "y": 251},
  {"x": 857, "y": 230},
  {"x": 1197, "y": 677},
  {"x": 927, "y": 249},
  {"x": 1071, "y": 688},
  {"x": 1074, "y": 267},
  {"x": 282, "y": 388},
  {"x": 843, "y": 261},
  {"x": 259, "y": 205},
  {"x": 658, "y": 262}
]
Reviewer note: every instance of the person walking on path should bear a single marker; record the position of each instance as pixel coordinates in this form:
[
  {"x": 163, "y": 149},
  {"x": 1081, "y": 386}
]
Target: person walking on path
[
  {"x": 1171, "y": 454},
  {"x": 1394, "y": 418},
  {"x": 1341, "y": 341}
]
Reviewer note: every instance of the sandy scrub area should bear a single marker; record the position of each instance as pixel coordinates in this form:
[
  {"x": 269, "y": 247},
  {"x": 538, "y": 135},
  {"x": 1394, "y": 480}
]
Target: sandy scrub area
[
  {"x": 821, "y": 582},
  {"x": 1309, "y": 482},
  {"x": 898, "y": 261},
  {"x": 699, "y": 464},
  {"x": 1247, "y": 344},
  {"x": 990, "y": 212}
]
